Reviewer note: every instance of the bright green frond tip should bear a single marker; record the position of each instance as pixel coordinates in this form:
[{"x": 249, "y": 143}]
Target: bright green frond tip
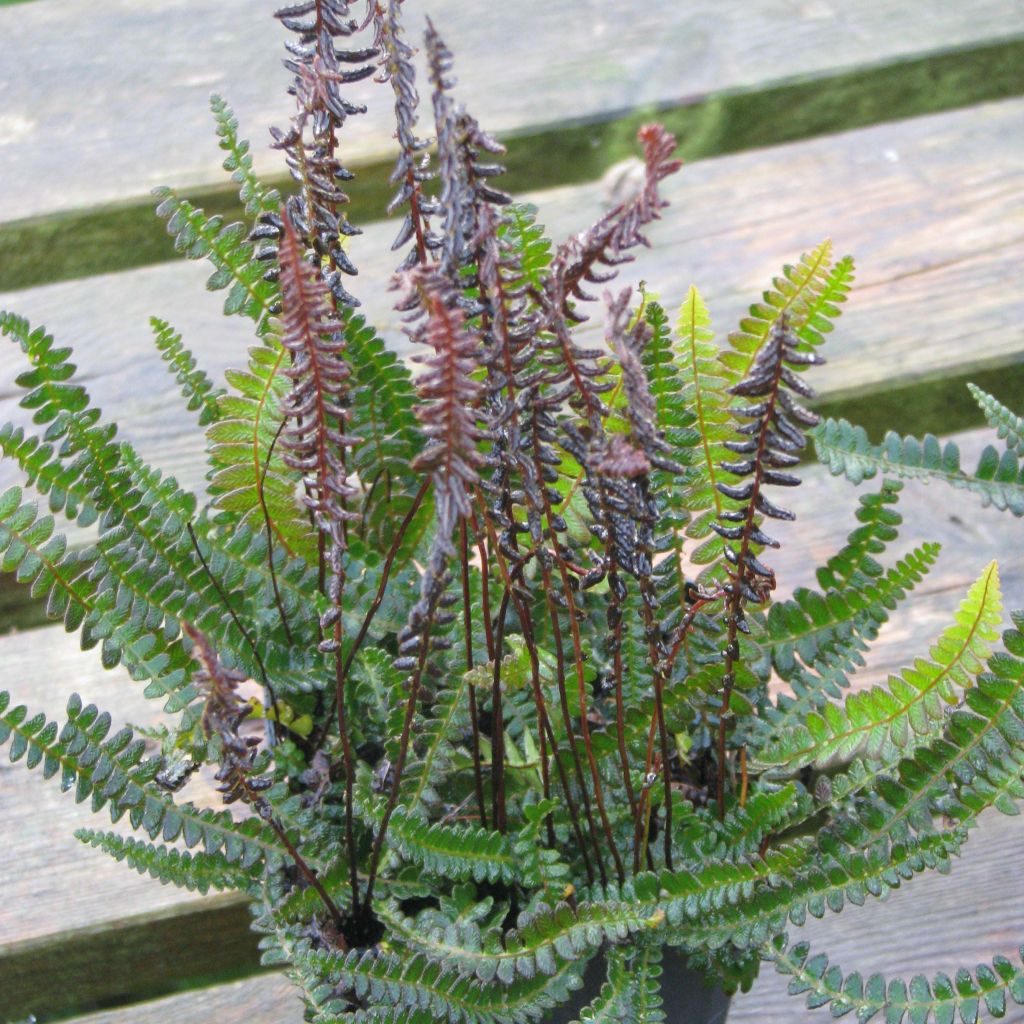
[{"x": 913, "y": 707}]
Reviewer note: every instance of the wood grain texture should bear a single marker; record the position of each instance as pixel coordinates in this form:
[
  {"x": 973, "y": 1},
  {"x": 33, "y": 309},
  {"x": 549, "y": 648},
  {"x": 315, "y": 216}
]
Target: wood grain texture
[
  {"x": 125, "y": 107},
  {"x": 929, "y": 206},
  {"x": 267, "y": 999}
]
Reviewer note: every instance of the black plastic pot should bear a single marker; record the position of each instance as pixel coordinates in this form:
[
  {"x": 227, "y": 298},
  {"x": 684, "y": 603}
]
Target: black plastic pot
[{"x": 687, "y": 997}]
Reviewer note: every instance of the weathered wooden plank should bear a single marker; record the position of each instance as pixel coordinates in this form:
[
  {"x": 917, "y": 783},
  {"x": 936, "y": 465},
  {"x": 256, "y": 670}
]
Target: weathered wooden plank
[
  {"x": 928, "y": 206},
  {"x": 124, "y": 235},
  {"x": 265, "y": 999},
  {"x": 126, "y": 90},
  {"x": 54, "y": 886}
]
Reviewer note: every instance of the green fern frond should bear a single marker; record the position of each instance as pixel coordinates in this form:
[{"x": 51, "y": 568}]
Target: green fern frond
[
  {"x": 647, "y": 1001},
  {"x": 1008, "y": 425},
  {"x": 459, "y": 851},
  {"x": 705, "y": 391},
  {"x": 382, "y": 417},
  {"x": 227, "y": 247},
  {"x": 879, "y": 522},
  {"x": 144, "y": 570},
  {"x": 47, "y": 475},
  {"x": 519, "y": 226},
  {"x": 113, "y": 774},
  {"x": 941, "y": 999},
  {"x": 846, "y": 450},
  {"x": 196, "y": 872},
  {"x": 807, "y": 291},
  {"x": 739, "y": 834},
  {"x": 37, "y": 557},
  {"x": 815, "y": 319},
  {"x": 399, "y": 986},
  {"x": 544, "y": 942},
  {"x": 615, "y": 1002},
  {"x": 830, "y": 629},
  {"x": 913, "y": 705},
  {"x": 982, "y": 751},
  {"x": 256, "y": 196},
  {"x": 249, "y": 481},
  {"x": 196, "y": 388}
]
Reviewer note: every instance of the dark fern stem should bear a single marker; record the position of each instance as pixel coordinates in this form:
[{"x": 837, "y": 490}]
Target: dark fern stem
[
  {"x": 772, "y": 437},
  {"x": 449, "y": 396},
  {"x": 241, "y": 770},
  {"x": 631, "y": 514},
  {"x": 509, "y": 324},
  {"x": 579, "y": 377},
  {"x": 313, "y": 443}
]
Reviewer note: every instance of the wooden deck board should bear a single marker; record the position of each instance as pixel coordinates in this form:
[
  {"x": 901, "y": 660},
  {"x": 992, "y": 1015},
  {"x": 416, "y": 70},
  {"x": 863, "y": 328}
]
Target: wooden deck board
[
  {"x": 127, "y": 89},
  {"x": 266, "y": 999},
  {"x": 928, "y": 206},
  {"x": 82, "y": 888}
]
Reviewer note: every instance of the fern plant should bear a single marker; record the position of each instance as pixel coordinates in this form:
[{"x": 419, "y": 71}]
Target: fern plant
[{"x": 512, "y": 616}]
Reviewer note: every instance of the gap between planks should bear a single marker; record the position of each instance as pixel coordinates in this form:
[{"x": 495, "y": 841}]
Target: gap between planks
[
  {"x": 122, "y": 235},
  {"x": 127, "y": 90}
]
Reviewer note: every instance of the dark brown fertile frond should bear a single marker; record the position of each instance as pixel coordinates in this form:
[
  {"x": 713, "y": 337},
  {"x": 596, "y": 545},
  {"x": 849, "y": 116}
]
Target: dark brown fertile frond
[
  {"x": 449, "y": 396},
  {"x": 464, "y": 174},
  {"x": 412, "y": 168},
  {"x": 223, "y": 713},
  {"x": 607, "y": 242},
  {"x": 321, "y": 68},
  {"x": 771, "y": 437},
  {"x": 315, "y": 438}
]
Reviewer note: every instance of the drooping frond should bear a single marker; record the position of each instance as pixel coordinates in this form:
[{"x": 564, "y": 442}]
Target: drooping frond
[
  {"x": 398, "y": 987},
  {"x": 111, "y": 771},
  {"x": 196, "y": 872},
  {"x": 144, "y": 572},
  {"x": 846, "y": 450}
]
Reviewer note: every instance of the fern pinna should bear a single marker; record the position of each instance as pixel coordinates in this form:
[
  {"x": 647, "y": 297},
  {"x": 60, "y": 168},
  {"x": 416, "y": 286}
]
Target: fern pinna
[{"x": 532, "y": 709}]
